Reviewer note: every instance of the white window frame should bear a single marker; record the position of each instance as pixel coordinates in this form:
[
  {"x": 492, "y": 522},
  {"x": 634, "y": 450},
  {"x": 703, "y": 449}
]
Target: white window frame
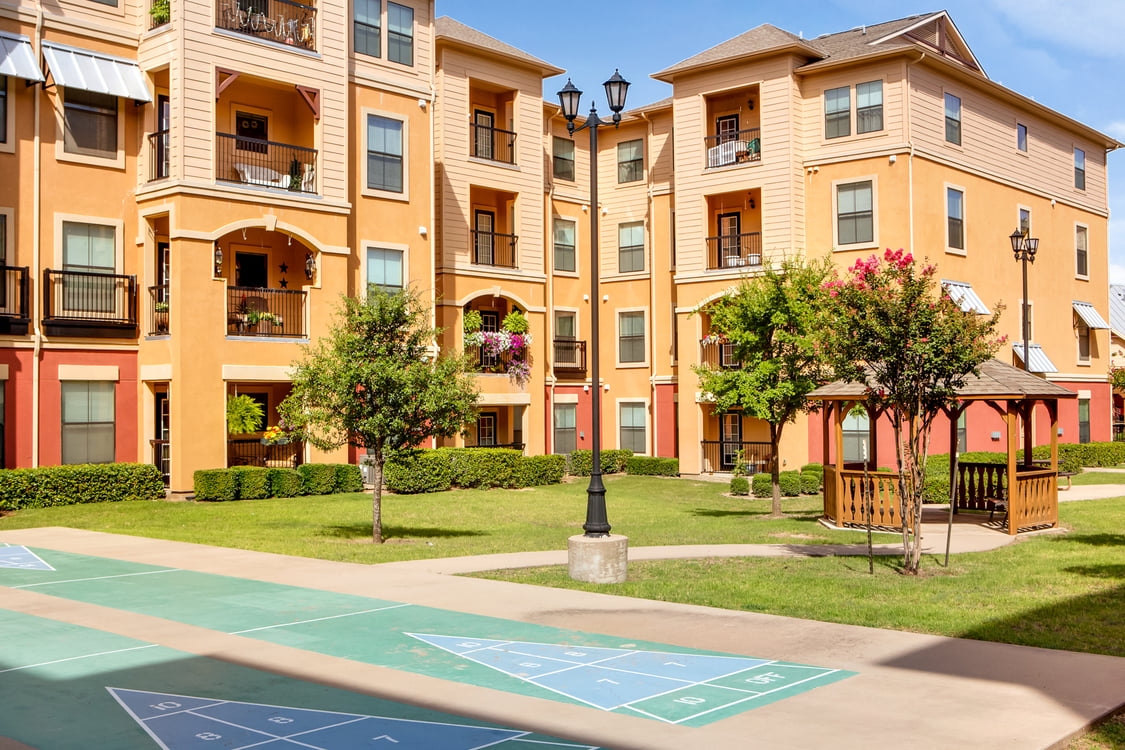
[
  {"x": 577, "y": 259},
  {"x": 8, "y": 145},
  {"x": 1081, "y": 228},
  {"x": 846, "y": 111},
  {"x": 62, "y": 155},
  {"x": 882, "y": 107},
  {"x": 1026, "y": 139},
  {"x": 1030, "y": 220},
  {"x": 369, "y": 192},
  {"x": 413, "y": 33},
  {"x": 836, "y": 184},
  {"x": 118, "y": 237},
  {"x": 573, "y": 158},
  {"x": 62, "y": 415},
  {"x": 949, "y": 248},
  {"x": 643, "y": 246},
  {"x": 1076, "y": 152},
  {"x": 619, "y": 163},
  {"x": 959, "y": 143},
  {"x": 617, "y": 337},
  {"x": 646, "y": 403},
  {"x": 566, "y": 311},
  {"x": 555, "y": 428},
  {"x": 8, "y": 217},
  {"x": 382, "y": 26},
  {"x": 392, "y": 246},
  {"x": 1080, "y": 324}
]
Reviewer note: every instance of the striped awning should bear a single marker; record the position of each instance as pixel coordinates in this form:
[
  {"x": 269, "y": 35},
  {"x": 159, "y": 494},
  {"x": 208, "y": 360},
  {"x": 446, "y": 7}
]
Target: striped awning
[
  {"x": 17, "y": 59},
  {"x": 76, "y": 68},
  {"x": 1040, "y": 362},
  {"x": 963, "y": 295},
  {"x": 1089, "y": 315}
]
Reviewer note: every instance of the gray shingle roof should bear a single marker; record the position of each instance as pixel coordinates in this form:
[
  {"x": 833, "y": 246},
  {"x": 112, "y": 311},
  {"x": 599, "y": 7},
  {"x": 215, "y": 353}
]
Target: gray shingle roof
[
  {"x": 996, "y": 380},
  {"x": 452, "y": 29},
  {"x": 755, "y": 41}
]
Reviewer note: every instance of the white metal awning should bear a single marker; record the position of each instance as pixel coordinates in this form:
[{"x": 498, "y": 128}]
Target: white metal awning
[
  {"x": 76, "y": 68},
  {"x": 1040, "y": 362},
  {"x": 17, "y": 59},
  {"x": 963, "y": 295},
  {"x": 1089, "y": 315}
]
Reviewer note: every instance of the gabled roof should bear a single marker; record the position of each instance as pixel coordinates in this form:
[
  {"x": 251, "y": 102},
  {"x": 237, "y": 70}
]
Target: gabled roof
[
  {"x": 763, "y": 39},
  {"x": 935, "y": 31},
  {"x": 453, "y": 30},
  {"x": 1117, "y": 309},
  {"x": 995, "y": 381}
]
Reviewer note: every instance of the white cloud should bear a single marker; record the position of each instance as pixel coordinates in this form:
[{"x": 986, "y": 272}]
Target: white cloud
[
  {"x": 1116, "y": 129},
  {"x": 1094, "y": 26}
]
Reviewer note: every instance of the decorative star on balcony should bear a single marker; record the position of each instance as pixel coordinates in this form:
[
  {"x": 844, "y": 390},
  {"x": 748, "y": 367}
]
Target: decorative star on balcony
[
  {"x": 284, "y": 268},
  {"x": 284, "y": 283}
]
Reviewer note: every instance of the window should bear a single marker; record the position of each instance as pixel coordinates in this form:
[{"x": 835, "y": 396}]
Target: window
[
  {"x": 838, "y": 112},
  {"x": 564, "y": 246},
  {"x": 566, "y": 433},
  {"x": 857, "y": 437},
  {"x": 955, "y": 218},
  {"x": 400, "y": 34},
  {"x": 869, "y": 107},
  {"x": 855, "y": 213},
  {"x": 486, "y": 430},
  {"x": 110, "y": 3},
  {"x": 630, "y": 161},
  {"x": 384, "y": 269},
  {"x": 1021, "y": 137},
  {"x": 384, "y": 154},
  {"x": 631, "y": 247},
  {"x": 1083, "y": 341},
  {"x": 1083, "y": 420},
  {"x": 962, "y": 433},
  {"x": 1081, "y": 256},
  {"x": 632, "y": 427},
  {"x": 251, "y": 132},
  {"x": 87, "y": 422},
  {"x": 562, "y": 151},
  {"x": 1079, "y": 169},
  {"x": 953, "y": 119},
  {"x": 631, "y": 337},
  {"x": 1025, "y": 222},
  {"x": 90, "y": 123},
  {"x": 89, "y": 249},
  {"x": 3, "y": 109},
  {"x": 367, "y": 27}
]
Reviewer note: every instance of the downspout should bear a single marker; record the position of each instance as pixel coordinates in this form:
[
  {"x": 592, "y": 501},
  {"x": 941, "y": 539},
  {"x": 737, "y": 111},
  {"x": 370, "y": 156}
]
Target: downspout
[
  {"x": 36, "y": 243},
  {"x": 652, "y": 296},
  {"x": 433, "y": 196},
  {"x": 549, "y": 323}
]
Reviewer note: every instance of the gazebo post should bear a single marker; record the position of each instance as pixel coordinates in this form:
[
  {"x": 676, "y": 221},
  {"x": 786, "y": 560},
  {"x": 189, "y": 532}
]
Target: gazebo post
[
  {"x": 825, "y": 435},
  {"x": 1010, "y": 419},
  {"x": 838, "y": 438},
  {"x": 1053, "y": 413},
  {"x": 873, "y": 436}
]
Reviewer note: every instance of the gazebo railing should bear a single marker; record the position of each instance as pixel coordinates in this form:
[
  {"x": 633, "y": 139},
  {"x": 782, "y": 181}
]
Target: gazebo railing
[
  {"x": 844, "y": 498},
  {"x": 984, "y": 487}
]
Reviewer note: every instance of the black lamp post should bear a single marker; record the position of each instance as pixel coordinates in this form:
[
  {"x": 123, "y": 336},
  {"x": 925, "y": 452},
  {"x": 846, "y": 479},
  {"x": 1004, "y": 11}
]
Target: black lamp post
[
  {"x": 597, "y": 524},
  {"x": 1024, "y": 248}
]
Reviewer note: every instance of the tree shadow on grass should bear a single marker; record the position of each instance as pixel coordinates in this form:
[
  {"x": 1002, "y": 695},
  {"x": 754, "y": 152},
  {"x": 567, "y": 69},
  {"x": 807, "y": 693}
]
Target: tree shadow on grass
[
  {"x": 791, "y": 515},
  {"x": 1094, "y": 540},
  {"x": 353, "y": 531},
  {"x": 1098, "y": 571}
]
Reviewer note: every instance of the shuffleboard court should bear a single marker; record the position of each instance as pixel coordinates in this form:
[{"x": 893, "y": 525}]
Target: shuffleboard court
[
  {"x": 651, "y": 680},
  {"x": 18, "y": 557},
  {"x": 62, "y": 687}
]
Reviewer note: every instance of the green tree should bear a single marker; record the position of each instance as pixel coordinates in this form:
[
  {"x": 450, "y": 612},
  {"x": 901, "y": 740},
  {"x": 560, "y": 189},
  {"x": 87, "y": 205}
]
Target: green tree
[
  {"x": 891, "y": 326},
  {"x": 374, "y": 383},
  {"x": 771, "y": 323}
]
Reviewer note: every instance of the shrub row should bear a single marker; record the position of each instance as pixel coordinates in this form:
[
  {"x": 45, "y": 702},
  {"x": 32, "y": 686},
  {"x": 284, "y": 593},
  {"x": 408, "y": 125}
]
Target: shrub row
[
  {"x": 443, "y": 468},
  {"x": 255, "y": 483},
  {"x": 793, "y": 483},
  {"x": 652, "y": 466},
  {"x": 581, "y": 462},
  {"x": 83, "y": 483},
  {"x": 1072, "y": 457}
]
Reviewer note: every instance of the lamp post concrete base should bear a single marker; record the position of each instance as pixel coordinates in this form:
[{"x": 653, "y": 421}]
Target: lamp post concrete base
[{"x": 598, "y": 559}]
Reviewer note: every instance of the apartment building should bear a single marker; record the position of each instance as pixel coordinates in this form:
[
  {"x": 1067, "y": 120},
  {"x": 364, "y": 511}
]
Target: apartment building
[{"x": 190, "y": 188}]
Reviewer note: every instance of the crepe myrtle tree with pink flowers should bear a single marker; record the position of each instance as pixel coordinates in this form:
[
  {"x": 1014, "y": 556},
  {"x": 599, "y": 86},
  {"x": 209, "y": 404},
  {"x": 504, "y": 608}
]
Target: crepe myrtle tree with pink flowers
[{"x": 890, "y": 325}]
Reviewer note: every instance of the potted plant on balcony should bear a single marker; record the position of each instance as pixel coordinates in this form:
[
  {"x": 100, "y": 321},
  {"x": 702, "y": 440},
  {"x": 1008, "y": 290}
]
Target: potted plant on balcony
[
  {"x": 295, "y": 174},
  {"x": 161, "y": 12},
  {"x": 244, "y": 415},
  {"x": 160, "y": 317}
]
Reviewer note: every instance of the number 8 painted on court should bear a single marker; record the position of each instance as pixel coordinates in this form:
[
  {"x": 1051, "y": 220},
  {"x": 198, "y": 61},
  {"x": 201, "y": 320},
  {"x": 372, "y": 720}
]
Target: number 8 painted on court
[
  {"x": 209, "y": 736},
  {"x": 689, "y": 700},
  {"x": 165, "y": 706}
]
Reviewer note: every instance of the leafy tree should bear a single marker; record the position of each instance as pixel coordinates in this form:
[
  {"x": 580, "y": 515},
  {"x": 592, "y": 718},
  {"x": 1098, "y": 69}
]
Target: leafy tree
[
  {"x": 770, "y": 321},
  {"x": 373, "y": 383},
  {"x": 890, "y": 326}
]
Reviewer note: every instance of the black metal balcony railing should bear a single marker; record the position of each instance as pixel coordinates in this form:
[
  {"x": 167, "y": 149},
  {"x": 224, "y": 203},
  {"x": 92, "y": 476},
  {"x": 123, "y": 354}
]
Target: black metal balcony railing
[
  {"x": 281, "y": 21},
  {"x": 718, "y": 355},
  {"x": 570, "y": 355},
  {"x": 275, "y": 313},
  {"x": 721, "y": 455},
  {"x": 489, "y": 363},
  {"x": 493, "y": 143},
  {"x": 158, "y": 310},
  {"x": 734, "y": 250},
  {"x": 492, "y": 249},
  {"x": 741, "y": 147},
  {"x": 15, "y": 299},
  {"x": 252, "y": 452},
  {"x": 83, "y": 299},
  {"x": 159, "y": 144},
  {"x": 253, "y": 161}
]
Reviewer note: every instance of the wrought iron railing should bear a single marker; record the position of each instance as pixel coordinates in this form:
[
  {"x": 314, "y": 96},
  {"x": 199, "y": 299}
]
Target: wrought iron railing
[
  {"x": 253, "y": 161},
  {"x": 734, "y": 250},
  {"x": 492, "y": 249},
  {"x": 85, "y": 296},
  {"x": 490, "y": 363},
  {"x": 282, "y": 21},
  {"x": 159, "y": 144},
  {"x": 492, "y": 143},
  {"x": 158, "y": 310},
  {"x": 718, "y": 354},
  {"x": 253, "y": 452},
  {"x": 276, "y": 313},
  {"x": 15, "y": 296},
  {"x": 570, "y": 355},
  {"x": 723, "y": 455},
  {"x": 741, "y": 147}
]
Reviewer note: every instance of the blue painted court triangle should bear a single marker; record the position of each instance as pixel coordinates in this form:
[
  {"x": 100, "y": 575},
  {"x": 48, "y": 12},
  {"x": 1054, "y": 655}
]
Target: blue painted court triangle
[
  {"x": 184, "y": 722},
  {"x": 21, "y": 558}
]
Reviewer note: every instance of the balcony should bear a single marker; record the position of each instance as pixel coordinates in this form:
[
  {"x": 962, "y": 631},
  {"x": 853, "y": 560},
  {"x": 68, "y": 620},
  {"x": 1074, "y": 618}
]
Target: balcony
[
  {"x": 280, "y": 21},
  {"x": 158, "y": 153},
  {"x": 492, "y": 249},
  {"x": 722, "y": 455},
  {"x": 740, "y": 147},
  {"x": 252, "y": 161},
  {"x": 570, "y": 357},
  {"x": 266, "y": 313},
  {"x": 734, "y": 250},
  {"x": 158, "y": 310},
  {"x": 492, "y": 144},
  {"x": 15, "y": 300},
  {"x": 718, "y": 355},
  {"x": 253, "y": 452},
  {"x": 83, "y": 303}
]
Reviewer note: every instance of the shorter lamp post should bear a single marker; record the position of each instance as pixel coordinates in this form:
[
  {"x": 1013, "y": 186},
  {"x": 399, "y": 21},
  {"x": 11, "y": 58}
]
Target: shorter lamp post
[
  {"x": 1024, "y": 248},
  {"x": 597, "y": 524}
]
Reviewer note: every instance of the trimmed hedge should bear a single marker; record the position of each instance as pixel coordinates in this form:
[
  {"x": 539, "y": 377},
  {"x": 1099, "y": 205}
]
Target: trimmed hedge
[
  {"x": 739, "y": 486},
  {"x": 790, "y": 482},
  {"x": 810, "y": 482},
  {"x": 252, "y": 482},
  {"x": 815, "y": 468},
  {"x": 349, "y": 478},
  {"x": 653, "y": 466},
  {"x": 317, "y": 479},
  {"x": 441, "y": 469},
  {"x": 255, "y": 483},
  {"x": 419, "y": 471},
  {"x": 581, "y": 462},
  {"x": 482, "y": 468},
  {"x": 535, "y": 471},
  {"x": 283, "y": 482},
  {"x": 762, "y": 485},
  {"x": 216, "y": 484},
  {"x": 82, "y": 483}
]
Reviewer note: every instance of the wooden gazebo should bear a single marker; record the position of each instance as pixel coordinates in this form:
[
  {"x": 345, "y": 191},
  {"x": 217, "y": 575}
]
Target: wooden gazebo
[{"x": 1031, "y": 501}]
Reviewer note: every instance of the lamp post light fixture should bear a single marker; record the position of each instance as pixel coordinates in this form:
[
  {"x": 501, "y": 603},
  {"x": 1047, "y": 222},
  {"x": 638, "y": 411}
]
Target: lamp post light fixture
[
  {"x": 616, "y": 88},
  {"x": 1024, "y": 249}
]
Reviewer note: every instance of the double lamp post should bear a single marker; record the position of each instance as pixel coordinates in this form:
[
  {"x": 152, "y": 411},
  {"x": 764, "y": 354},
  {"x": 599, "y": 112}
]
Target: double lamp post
[{"x": 1024, "y": 248}]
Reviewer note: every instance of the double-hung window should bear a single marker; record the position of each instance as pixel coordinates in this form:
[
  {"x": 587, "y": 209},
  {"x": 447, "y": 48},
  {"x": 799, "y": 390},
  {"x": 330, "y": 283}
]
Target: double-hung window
[
  {"x": 566, "y": 428},
  {"x": 1079, "y": 169},
  {"x": 400, "y": 34},
  {"x": 90, "y": 256},
  {"x": 631, "y": 337},
  {"x": 1081, "y": 254},
  {"x": 632, "y": 427},
  {"x": 367, "y": 28},
  {"x": 90, "y": 123},
  {"x": 630, "y": 161},
  {"x": 631, "y": 247},
  {"x": 384, "y": 269},
  {"x": 1083, "y": 342},
  {"x": 955, "y": 218},
  {"x": 87, "y": 422},
  {"x": 384, "y": 154},
  {"x": 855, "y": 217},
  {"x": 564, "y": 246},
  {"x": 838, "y": 112},
  {"x": 3, "y": 109},
  {"x": 1021, "y": 137},
  {"x": 562, "y": 152},
  {"x": 953, "y": 119},
  {"x": 869, "y": 107},
  {"x": 857, "y": 437}
]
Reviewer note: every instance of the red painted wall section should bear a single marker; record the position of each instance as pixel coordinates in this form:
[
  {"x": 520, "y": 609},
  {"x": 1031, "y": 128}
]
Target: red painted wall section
[
  {"x": 18, "y": 413},
  {"x": 664, "y": 419},
  {"x": 583, "y": 421}
]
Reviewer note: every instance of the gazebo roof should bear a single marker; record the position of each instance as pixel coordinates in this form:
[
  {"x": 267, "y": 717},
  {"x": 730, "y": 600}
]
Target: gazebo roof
[{"x": 996, "y": 381}]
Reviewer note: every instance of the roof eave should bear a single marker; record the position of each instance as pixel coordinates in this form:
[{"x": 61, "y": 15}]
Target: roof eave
[
  {"x": 546, "y": 70},
  {"x": 668, "y": 75}
]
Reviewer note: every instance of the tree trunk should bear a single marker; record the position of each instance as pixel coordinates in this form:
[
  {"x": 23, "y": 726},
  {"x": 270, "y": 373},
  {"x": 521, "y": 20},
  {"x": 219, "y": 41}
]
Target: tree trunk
[
  {"x": 775, "y": 471},
  {"x": 377, "y": 499}
]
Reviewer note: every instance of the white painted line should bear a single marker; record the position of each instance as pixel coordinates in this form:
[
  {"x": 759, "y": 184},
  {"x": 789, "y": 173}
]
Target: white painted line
[
  {"x": 98, "y": 578},
  {"x": 75, "y": 658},
  {"x": 318, "y": 619}
]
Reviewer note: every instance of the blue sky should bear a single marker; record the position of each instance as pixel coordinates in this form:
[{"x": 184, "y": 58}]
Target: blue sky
[{"x": 1066, "y": 54}]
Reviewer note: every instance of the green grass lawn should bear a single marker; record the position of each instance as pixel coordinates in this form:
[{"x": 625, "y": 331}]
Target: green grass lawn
[{"x": 650, "y": 510}]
